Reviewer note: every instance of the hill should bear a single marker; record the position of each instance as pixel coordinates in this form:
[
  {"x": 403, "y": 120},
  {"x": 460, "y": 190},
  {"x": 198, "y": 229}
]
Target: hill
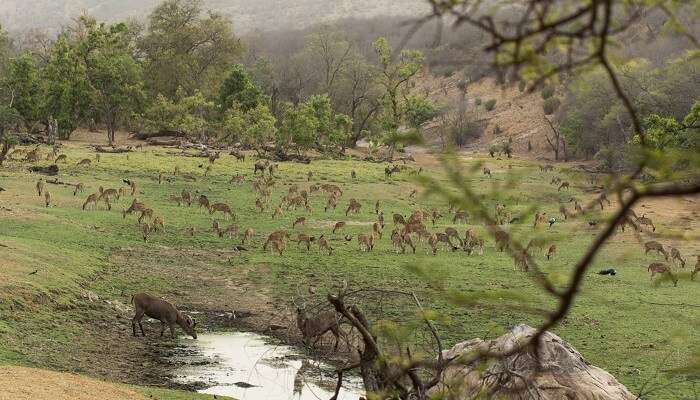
[{"x": 247, "y": 15}]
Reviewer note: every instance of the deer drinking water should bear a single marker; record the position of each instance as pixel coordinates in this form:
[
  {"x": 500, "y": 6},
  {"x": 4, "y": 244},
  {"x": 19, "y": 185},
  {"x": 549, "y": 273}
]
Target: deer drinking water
[{"x": 164, "y": 312}]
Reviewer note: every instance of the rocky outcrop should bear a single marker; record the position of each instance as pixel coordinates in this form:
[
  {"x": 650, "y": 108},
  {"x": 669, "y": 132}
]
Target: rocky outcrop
[{"x": 560, "y": 373}]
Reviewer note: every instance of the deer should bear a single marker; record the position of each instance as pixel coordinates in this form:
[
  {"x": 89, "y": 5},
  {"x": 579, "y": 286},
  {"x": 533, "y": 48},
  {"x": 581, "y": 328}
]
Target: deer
[
  {"x": 521, "y": 260},
  {"x": 186, "y": 198},
  {"x": 91, "y": 199},
  {"x": 676, "y": 255},
  {"x": 696, "y": 270},
  {"x": 306, "y": 239},
  {"x": 452, "y": 233},
  {"x": 275, "y": 236},
  {"x": 78, "y": 187},
  {"x": 338, "y": 226},
  {"x": 661, "y": 269},
  {"x": 158, "y": 224},
  {"x": 231, "y": 231},
  {"x": 366, "y": 242},
  {"x": 146, "y": 213},
  {"x": 248, "y": 235},
  {"x": 376, "y": 207},
  {"x": 84, "y": 162},
  {"x": 397, "y": 241},
  {"x": 146, "y": 230},
  {"x": 299, "y": 221},
  {"x": 564, "y": 212},
  {"x": 380, "y": 219},
  {"x": 222, "y": 208},
  {"x": 399, "y": 219},
  {"x": 163, "y": 311},
  {"x": 237, "y": 179},
  {"x": 260, "y": 166},
  {"x": 215, "y": 227},
  {"x": 564, "y": 185},
  {"x": 502, "y": 240},
  {"x": 552, "y": 251},
  {"x": 487, "y": 171},
  {"x": 435, "y": 216},
  {"x": 354, "y": 206},
  {"x": 315, "y": 327},
  {"x": 40, "y": 186},
  {"x": 377, "y": 229},
  {"x": 460, "y": 216},
  {"x": 332, "y": 202},
  {"x": 279, "y": 212},
  {"x": 240, "y": 156},
  {"x": 277, "y": 245},
  {"x": 655, "y": 246},
  {"x": 47, "y": 198},
  {"x": 323, "y": 244},
  {"x": 176, "y": 199},
  {"x": 62, "y": 158},
  {"x": 540, "y": 218},
  {"x": 643, "y": 220},
  {"x": 203, "y": 201}
]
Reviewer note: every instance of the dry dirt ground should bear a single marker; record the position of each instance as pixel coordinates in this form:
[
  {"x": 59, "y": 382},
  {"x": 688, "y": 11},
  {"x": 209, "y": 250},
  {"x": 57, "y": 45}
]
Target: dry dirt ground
[{"x": 30, "y": 383}]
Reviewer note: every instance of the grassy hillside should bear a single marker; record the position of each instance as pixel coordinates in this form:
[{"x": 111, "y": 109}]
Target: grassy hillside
[{"x": 54, "y": 259}]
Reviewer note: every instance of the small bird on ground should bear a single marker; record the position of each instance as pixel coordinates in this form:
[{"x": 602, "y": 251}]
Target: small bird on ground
[
  {"x": 609, "y": 271},
  {"x": 552, "y": 221}
]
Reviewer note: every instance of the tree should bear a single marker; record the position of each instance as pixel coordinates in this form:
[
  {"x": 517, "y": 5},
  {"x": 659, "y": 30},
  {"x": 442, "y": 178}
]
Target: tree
[
  {"x": 23, "y": 81},
  {"x": 193, "y": 115},
  {"x": 299, "y": 127},
  {"x": 331, "y": 52},
  {"x": 419, "y": 110},
  {"x": 253, "y": 128},
  {"x": 238, "y": 88},
  {"x": 183, "y": 48},
  {"x": 113, "y": 75},
  {"x": 394, "y": 78}
]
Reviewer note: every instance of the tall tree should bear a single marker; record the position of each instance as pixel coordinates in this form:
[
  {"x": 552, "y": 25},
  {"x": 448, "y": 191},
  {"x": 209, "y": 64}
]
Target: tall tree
[
  {"x": 185, "y": 47},
  {"x": 239, "y": 88},
  {"x": 22, "y": 80}
]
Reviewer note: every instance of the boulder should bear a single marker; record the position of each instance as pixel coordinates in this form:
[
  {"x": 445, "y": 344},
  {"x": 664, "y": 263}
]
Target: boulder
[{"x": 560, "y": 373}]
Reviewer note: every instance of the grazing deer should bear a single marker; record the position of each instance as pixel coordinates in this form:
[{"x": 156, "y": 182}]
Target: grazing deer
[
  {"x": 176, "y": 199},
  {"x": 277, "y": 246},
  {"x": 146, "y": 213},
  {"x": 643, "y": 220},
  {"x": 84, "y": 162},
  {"x": 521, "y": 260},
  {"x": 277, "y": 213},
  {"x": 40, "y": 187},
  {"x": 275, "y": 236},
  {"x": 306, "y": 239},
  {"x": 354, "y": 206},
  {"x": 380, "y": 219},
  {"x": 696, "y": 270},
  {"x": 186, "y": 198},
  {"x": 564, "y": 212},
  {"x": 552, "y": 251},
  {"x": 502, "y": 240},
  {"x": 231, "y": 231},
  {"x": 146, "y": 230},
  {"x": 399, "y": 219},
  {"x": 260, "y": 166},
  {"x": 323, "y": 244},
  {"x": 435, "y": 215},
  {"x": 376, "y": 207},
  {"x": 332, "y": 202},
  {"x": 203, "y": 201},
  {"x": 91, "y": 199},
  {"x": 259, "y": 205},
  {"x": 676, "y": 255},
  {"x": 366, "y": 242},
  {"x": 299, "y": 221},
  {"x": 164, "y": 312},
  {"x": 158, "y": 224},
  {"x": 353, "y": 174},
  {"x": 540, "y": 218},
  {"x": 487, "y": 172},
  {"x": 655, "y": 246},
  {"x": 315, "y": 327},
  {"x": 61, "y": 158},
  {"x": 248, "y": 235},
  {"x": 452, "y": 233},
  {"x": 215, "y": 227},
  {"x": 78, "y": 187},
  {"x": 460, "y": 216},
  {"x": 222, "y": 208},
  {"x": 240, "y": 156},
  {"x": 338, "y": 226},
  {"x": 47, "y": 198},
  {"x": 661, "y": 269},
  {"x": 237, "y": 179},
  {"x": 377, "y": 229},
  {"x": 564, "y": 185}
]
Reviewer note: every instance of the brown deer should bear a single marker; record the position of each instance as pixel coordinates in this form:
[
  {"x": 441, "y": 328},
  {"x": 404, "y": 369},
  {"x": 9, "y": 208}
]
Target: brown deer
[
  {"x": 186, "y": 198},
  {"x": 487, "y": 172},
  {"x": 655, "y": 246},
  {"x": 146, "y": 213},
  {"x": 540, "y": 218},
  {"x": 323, "y": 244},
  {"x": 248, "y": 235},
  {"x": 299, "y": 221},
  {"x": 78, "y": 187},
  {"x": 260, "y": 166},
  {"x": 696, "y": 270},
  {"x": 203, "y": 201},
  {"x": 315, "y": 327},
  {"x": 222, "y": 208},
  {"x": 435, "y": 216},
  {"x": 521, "y": 260},
  {"x": 278, "y": 212},
  {"x": 231, "y": 231},
  {"x": 564, "y": 185},
  {"x": 452, "y": 233},
  {"x": 164, "y": 312},
  {"x": 643, "y": 220},
  {"x": 502, "y": 240},
  {"x": 91, "y": 199},
  {"x": 564, "y": 212},
  {"x": 460, "y": 216},
  {"x": 277, "y": 246},
  {"x": 275, "y": 236},
  {"x": 61, "y": 158},
  {"x": 399, "y": 219},
  {"x": 376, "y": 207},
  {"x": 354, "y": 206},
  {"x": 215, "y": 227},
  {"x": 661, "y": 269},
  {"x": 240, "y": 156},
  {"x": 40, "y": 186},
  {"x": 397, "y": 241},
  {"x": 176, "y": 199},
  {"x": 306, "y": 239},
  {"x": 47, "y": 198},
  {"x": 84, "y": 162},
  {"x": 146, "y": 230},
  {"x": 552, "y": 251},
  {"x": 332, "y": 202},
  {"x": 377, "y": 229},
  {"x": 338, "y": 226},
  {"x": 366, "y": 242},
  {"x": 158, "y": 224},
  {"x": 676, "y": 255}
]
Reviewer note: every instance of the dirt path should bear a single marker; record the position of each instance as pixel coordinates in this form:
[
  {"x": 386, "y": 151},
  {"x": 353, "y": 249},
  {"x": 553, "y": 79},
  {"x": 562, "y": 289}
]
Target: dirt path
[{"x": 57, "y": 386}]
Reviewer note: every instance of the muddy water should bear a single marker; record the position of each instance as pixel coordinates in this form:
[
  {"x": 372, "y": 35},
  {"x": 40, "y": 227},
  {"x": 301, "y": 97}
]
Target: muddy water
[{"x": 247, "y": 367}]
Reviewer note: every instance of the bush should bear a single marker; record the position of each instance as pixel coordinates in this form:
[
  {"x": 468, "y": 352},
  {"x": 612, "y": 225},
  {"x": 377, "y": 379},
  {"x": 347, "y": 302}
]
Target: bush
[
  {"x": 551, "y": 105},
  {"x": 521, "y": 86},
  {"x": 547, "y": 92},
  {"x": 490, "y": 105},
  {"x": 477, "y": 101}
]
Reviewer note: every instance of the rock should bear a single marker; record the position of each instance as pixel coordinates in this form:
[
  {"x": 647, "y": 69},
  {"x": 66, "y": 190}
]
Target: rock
[{"x": 561, "y": 373}]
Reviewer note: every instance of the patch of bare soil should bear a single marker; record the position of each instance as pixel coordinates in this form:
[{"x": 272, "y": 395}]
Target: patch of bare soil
[
  {"x": 99, "y": 137},
  {"x": 57, "y": 386}
]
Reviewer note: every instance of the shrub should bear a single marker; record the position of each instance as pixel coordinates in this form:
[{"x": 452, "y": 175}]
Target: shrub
[
  {"x": 547, "y": 92},
  {"x": 521, "y": 86},
  {"x": 490, "y": 105},
  {"x": 551, "y": 105}
]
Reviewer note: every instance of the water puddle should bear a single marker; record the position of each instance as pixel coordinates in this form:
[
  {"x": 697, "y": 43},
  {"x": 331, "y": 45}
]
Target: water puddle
[{"x": 247, "y": 367}]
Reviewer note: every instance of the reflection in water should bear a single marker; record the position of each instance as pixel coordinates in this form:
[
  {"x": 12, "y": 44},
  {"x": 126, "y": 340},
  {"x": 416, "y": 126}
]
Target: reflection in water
[{"x": 244, "y": 366}]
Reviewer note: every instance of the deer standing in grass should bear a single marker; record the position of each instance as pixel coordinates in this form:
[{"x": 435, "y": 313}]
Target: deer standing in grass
[
  {"x": 676, "y": 255},
  {"x": 662, "y": 269},
  {"x": 40, "y": 186},
  {"x": 222, "y": 208},
  {"x": 324, "y": 245},
  {"x": 366, "y": 242},
  {"x": 655, "y": 246},
  {"x": 164, "y": 312}
]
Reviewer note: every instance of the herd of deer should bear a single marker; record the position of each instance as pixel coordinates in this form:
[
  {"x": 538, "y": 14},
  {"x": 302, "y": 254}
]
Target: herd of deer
[{"x": 407, "y": 233}]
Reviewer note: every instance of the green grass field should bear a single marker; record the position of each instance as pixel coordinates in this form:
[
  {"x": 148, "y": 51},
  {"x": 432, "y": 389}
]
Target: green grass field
[{"x": 625, "y": 324}]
